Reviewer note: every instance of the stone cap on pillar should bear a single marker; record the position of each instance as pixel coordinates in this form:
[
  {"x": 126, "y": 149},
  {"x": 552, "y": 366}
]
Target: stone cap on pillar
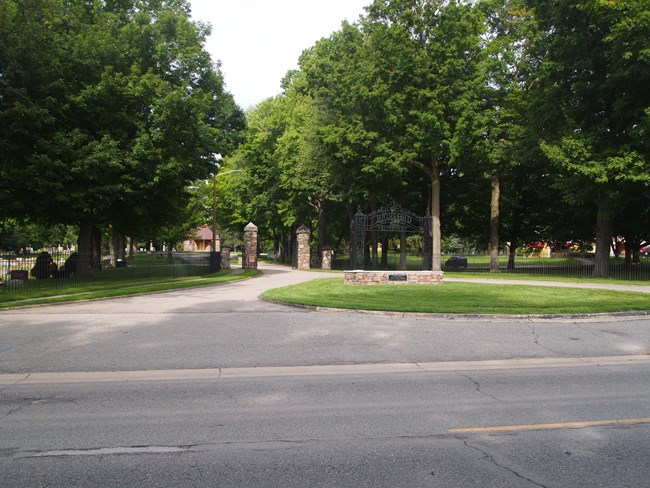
[
  {"x": 250, "y": 227},
  {"x": 303, "y": 229}
]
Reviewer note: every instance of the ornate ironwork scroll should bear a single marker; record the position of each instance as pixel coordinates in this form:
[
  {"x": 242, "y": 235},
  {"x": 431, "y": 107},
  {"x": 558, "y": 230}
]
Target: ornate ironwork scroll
[{"x": 392, "y": 218}]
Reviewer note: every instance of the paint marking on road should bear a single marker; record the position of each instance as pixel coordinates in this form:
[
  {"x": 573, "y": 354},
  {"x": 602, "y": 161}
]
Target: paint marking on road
[{"x": 557, "y": 425}]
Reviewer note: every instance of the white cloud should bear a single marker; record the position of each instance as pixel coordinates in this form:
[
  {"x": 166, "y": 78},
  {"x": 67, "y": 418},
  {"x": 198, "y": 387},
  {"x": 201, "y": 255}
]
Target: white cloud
[{"x": 258, "y": 41}]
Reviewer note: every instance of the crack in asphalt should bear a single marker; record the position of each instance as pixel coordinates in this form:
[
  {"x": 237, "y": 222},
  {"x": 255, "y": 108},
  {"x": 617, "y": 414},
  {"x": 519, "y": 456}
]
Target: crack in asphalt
[
  {"x": 109, "y": 451},
  {"x": 185, "y": 448},
  {"x": 538, "y": 343},
  {"x": 489, "y": 458},
  {"x": 29, "y": 402},
  {"x": 17, "y": 382},
  {"x": 478, "y": 388},
  {"x": 606, "y": 339},
  {"x": 2, "y": 390}
]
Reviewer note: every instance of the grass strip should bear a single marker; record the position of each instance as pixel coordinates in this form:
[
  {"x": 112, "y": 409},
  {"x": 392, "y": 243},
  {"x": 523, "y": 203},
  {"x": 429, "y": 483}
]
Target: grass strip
[
  {"x": 119, "y": 288},
  {"x": 542, "y": 277},
  {"x": 460, "y": 298}
]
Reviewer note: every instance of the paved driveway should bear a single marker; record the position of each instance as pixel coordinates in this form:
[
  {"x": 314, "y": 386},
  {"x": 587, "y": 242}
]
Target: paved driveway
[
  {"x": 228, "y": 326},
  {"x": 148, "y": 391}
]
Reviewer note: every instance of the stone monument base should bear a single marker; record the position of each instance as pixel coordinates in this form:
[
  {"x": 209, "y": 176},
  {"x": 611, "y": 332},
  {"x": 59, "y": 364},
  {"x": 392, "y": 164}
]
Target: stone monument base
[{"x": 360, "y": 277}]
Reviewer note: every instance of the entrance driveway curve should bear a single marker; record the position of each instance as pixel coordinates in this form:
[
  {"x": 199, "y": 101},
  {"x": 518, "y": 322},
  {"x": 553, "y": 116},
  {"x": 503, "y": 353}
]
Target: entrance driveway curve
[
  {"x": 214, "y": 387},
  {"x": 228, "y": 326}
]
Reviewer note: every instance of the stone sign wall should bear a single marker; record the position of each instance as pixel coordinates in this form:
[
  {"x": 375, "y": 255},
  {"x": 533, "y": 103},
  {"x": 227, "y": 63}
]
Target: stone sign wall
[{"x": 358, "y": 277}]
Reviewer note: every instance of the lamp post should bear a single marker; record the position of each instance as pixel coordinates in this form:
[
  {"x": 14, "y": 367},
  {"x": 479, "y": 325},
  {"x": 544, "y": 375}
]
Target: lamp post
[{"x": 215, "y": 257}]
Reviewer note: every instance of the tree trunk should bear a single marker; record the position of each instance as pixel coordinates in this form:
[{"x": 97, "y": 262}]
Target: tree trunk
[
  {"x": 112, "y": 245},
  {"x": 132, "y": 248},
  {"x": 494, "y": 224},
  {"x": 322, "y": 228},
  {"x": 433, "y": 173},
  {"x": 284, "y": 247},
  {"x": 512, "y": 246},
  {"x": 116, "y": 244},
  {"x": 384, "y": 251},
  {"x": 121, "y": 245},
  {"x": 96, "y": 248},
  {"x": 84, "y": 243},
  {"x": 402, "y": 251},
  {"x": 636, "y": 251},
  {"x": 293, "y": 258},
  {"x": 170, "y": 252},
  {"x": 512, "y": 249},
  {"x": 352, "y": 246},
  {"x": 436, "y": 236},
  {"x": 604, "y": 230},
  {"x": 373, "y": 237}
]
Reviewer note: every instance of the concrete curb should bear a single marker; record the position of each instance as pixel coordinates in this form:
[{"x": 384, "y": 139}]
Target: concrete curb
[
  {"x": 218, "y": 374},
  {"x": 586, "y": 317}
]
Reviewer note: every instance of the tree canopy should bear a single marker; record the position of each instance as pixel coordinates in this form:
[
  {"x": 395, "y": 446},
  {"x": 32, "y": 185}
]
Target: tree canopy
[
  {"x": 509, "y": 120},
  {"x": 108, "y": 111},
  {"x": 526, "y": 120}
]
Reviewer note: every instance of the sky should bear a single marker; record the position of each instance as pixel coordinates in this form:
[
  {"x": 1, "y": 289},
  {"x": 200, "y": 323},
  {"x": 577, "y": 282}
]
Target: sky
[{"x": 258, "y": 41}]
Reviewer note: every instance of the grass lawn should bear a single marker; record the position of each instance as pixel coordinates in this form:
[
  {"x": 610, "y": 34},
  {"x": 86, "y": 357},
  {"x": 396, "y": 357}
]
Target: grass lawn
[
  {"x": 547, "y": 277},
  {"x": 470, "y": 298},
  {"x": 116, "y": 288}
]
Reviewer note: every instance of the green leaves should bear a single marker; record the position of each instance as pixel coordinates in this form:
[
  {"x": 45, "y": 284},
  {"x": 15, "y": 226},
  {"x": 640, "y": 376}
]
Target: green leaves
[{"x": 120, "y": 107}]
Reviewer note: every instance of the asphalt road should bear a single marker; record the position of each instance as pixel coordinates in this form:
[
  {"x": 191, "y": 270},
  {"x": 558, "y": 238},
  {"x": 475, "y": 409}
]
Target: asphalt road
[
  {"x": 212, "y": 387},
  {"x": 548, "y": 427}
]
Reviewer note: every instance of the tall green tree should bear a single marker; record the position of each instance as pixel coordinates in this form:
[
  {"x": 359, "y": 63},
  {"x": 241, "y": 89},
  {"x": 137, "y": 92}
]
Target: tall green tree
[
  {"x": 426, "y": 52},
  {"x": 493, "y": 137},
  {"x": 263, "y": 197},
  {"x": 595, "y": 101},
  {"x": 340, "y": 75},
  {"x": 113, "y": 117}
]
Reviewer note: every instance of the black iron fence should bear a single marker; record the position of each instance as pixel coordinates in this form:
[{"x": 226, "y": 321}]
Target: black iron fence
[
  {"x": 60, "y": 270},
  {"x": 570, "y": 266},
  {"x": 573, "y": 265},
  {"x": 54, "y": 270}
]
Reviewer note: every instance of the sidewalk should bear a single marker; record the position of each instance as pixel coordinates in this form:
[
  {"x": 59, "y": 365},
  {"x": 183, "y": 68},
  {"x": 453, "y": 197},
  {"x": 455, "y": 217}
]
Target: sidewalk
[{"x": 555, "y": 284}]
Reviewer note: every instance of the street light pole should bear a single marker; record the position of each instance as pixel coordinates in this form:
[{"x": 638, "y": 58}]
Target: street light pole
[
  {"x": 214, "y": 255},
  {"x": 214, "y": 205},
  {"x": 214, "y": 213},
  {"x": 217, "y": 158}
]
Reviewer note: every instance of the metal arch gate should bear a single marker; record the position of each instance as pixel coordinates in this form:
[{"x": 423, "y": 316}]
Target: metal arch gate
[{"x": 393, "y": 218}]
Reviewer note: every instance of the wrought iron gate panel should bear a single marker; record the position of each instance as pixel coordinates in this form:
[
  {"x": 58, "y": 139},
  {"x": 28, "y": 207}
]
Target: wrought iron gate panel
[
  {"x": 392, "y": 219},
  {"x": 360, "y": 226}
]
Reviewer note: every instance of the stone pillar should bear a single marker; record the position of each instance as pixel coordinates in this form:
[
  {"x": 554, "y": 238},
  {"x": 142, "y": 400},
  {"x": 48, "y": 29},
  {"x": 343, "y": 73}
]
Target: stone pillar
[
  {"x": 303, "y": 235},
  {"x": 326, "y": 258},
  {"x": 250, "y": 247},
  {"x": 225, "y": 257}
]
